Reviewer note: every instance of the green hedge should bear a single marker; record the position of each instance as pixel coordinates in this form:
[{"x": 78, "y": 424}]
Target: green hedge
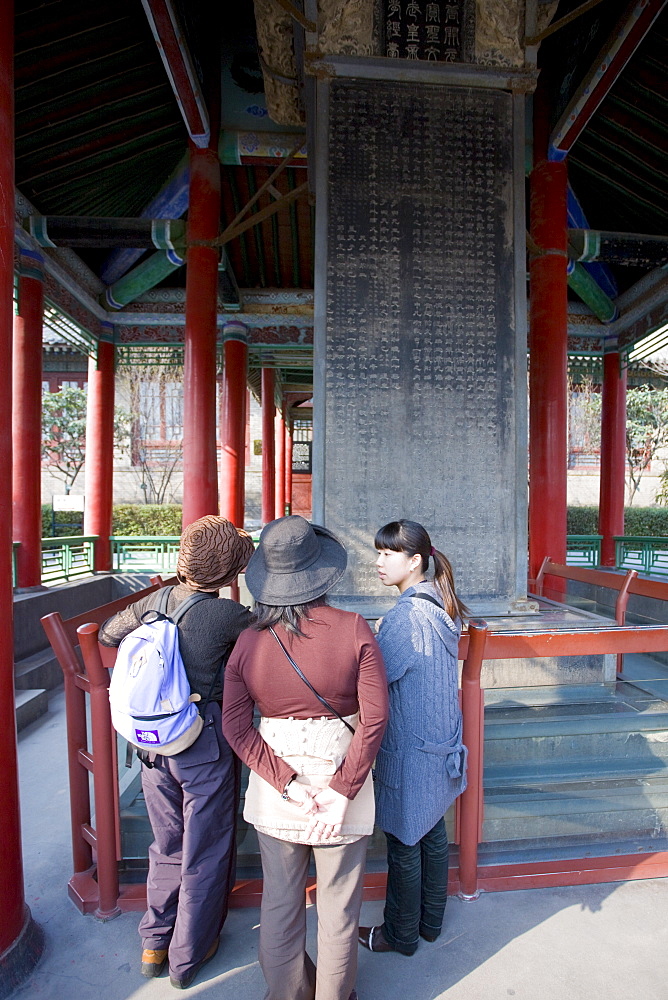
[
  {"x": 147, "y": 519},
  {"x": 637, "y": 521},
  {"x": 67, "y": 522},
  {"x": 128, "y": 519},
  {"x": 165, "y": 519}
]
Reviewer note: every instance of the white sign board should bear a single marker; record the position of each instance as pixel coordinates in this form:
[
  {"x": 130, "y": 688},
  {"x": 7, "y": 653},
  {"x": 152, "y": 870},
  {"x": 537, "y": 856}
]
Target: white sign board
[{"x": 67, "y": 501}]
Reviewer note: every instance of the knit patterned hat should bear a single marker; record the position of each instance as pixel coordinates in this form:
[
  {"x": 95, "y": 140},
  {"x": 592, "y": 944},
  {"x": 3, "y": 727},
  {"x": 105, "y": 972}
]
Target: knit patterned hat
[{"x": 212, "y": 553}]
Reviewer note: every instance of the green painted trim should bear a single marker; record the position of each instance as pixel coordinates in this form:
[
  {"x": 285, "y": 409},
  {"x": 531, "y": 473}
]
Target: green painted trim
[
  {"x": 588, "y": 289},
  {"x": 145, "y": 275},
  {"x": 38, "y": 229},
  {"x": 168, "y": 234}
]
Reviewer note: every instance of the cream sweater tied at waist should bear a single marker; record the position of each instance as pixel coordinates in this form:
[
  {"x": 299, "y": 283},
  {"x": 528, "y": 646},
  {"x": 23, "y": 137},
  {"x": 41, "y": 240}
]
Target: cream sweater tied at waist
[{"x": 314, "y": 749}]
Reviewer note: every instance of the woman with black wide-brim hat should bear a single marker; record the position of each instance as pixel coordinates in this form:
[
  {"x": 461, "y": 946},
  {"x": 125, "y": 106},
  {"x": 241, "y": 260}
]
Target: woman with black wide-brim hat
[{"x": 317, "y": 677}]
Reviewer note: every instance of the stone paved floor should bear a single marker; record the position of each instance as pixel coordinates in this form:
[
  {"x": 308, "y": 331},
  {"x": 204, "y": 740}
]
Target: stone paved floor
[{"x": 606, "y": 941}]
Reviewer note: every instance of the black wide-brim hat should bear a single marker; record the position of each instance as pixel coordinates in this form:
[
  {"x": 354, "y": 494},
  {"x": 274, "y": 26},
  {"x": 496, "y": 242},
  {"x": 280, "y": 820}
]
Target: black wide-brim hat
[{"x": 295, "y": 562}]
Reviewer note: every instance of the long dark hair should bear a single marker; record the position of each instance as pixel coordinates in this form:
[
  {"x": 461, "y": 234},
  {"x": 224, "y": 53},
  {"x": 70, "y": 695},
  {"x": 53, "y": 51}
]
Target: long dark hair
[
  {"x": 412, "y": 539},
  {"x": 289, "y": 615}
]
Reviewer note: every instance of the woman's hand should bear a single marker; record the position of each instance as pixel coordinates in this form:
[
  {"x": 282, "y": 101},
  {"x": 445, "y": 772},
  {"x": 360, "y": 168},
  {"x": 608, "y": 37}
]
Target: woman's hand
[
  {"x": 331, "y": 810},
  {"x": 302, "y": 796}
]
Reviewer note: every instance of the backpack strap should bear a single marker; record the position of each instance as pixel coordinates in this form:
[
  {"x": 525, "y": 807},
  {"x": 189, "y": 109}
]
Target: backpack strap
[
  {"x": 186, "y": 605},
  {"x": 160, "y": 611},
  {"x": 176, "y": 617},
  {"x": 163, "y": 599}
]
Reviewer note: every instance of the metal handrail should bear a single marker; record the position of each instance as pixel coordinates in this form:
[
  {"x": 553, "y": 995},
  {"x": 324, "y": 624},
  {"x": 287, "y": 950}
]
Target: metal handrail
[
  {"x": 164, "y": 549},
  {"x": 646, "y": 553},
  {"x": 583, "y": 550},
  {"x": 75, "y": 557}
]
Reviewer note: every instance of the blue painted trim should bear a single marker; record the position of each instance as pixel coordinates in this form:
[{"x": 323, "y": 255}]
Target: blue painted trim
[
  {"x": 171, "y": 202},
  {"x": 175, "y": 258},
  {"x": 33, "y": 254},
  {"x": 599, "y": 271},
  {"x": 235, "y": 330},
  {"x": 555, "y": 155}
]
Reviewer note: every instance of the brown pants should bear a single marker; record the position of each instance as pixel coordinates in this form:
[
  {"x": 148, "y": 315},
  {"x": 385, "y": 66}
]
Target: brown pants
[{"x": 288, "y": 970}]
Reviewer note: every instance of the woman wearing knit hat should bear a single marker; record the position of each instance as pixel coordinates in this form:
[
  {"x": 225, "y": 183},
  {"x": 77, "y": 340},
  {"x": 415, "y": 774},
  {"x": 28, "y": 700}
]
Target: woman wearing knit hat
[
  {"x": 317, "y": 677},
  {"x": 192, "y": 797}
]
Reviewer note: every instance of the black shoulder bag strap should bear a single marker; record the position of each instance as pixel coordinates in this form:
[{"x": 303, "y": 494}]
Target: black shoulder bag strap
[
  {"x": 428, "y": 597},
  {"x": 310, "y": 686}
]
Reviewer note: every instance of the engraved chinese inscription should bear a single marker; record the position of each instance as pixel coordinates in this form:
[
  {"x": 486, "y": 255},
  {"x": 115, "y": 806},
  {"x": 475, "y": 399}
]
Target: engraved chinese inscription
[
  {"x": 420, "y": 370},
  {"x": 438, "y": 31}
]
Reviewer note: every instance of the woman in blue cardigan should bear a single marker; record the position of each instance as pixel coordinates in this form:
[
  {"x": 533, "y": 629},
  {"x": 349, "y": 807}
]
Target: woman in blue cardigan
[{"x": 421, "y": 766}]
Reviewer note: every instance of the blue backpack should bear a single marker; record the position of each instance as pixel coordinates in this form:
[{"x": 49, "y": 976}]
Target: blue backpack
[{"x": 149, "y": 693}]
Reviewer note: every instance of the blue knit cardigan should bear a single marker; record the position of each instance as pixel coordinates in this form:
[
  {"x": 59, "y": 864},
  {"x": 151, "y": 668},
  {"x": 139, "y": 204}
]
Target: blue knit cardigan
[{"x": 421, "y": 765}]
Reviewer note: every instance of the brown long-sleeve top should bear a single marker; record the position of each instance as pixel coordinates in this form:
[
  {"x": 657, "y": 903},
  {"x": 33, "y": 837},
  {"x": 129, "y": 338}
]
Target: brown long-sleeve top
[{"x": 341, "y": 658}]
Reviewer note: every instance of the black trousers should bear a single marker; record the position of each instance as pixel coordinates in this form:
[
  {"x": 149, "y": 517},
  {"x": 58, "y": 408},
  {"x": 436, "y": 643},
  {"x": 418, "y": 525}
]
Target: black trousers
[{"x": 417, "y": 889}]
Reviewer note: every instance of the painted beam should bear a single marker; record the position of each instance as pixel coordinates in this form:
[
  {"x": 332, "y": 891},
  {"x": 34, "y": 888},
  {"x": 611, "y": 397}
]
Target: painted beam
[
  {"x": 146, "y": 275},
  {"x": 625, "y": 249},
  {"x": 178, "y": 63},
  {"x": 171, "y": 202},
  {"x": 634, "y": 24},
  {"x": 576, "y": 219},
  {"x": 88, "y": 231},
  {"x": 591, "y": 293},
  {"x": 261, "y": 148}
]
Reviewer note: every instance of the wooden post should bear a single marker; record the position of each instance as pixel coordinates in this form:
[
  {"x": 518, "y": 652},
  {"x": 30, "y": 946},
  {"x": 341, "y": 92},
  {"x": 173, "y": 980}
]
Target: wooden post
[
  {"x": 613, "y": 456},
  {"x": 200, "y": 486},
  {"x": 21, "y": 940},
  {"x": 27, "y": 422},
  {"x": 268, "y": 440},
  {"x": 100, "y": 453},
  {"x": 548, "y": 370},
  {"x": 233, "y": 422}
]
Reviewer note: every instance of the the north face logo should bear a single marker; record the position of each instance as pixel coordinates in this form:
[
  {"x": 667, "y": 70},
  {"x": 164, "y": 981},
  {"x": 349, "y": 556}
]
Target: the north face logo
[{"x": 147, "y": 736}]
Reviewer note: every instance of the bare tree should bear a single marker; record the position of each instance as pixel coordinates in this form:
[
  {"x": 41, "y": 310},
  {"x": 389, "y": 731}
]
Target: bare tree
[
  {"x": 156, "y": 427},
  {"x": 584, "y": 417}
]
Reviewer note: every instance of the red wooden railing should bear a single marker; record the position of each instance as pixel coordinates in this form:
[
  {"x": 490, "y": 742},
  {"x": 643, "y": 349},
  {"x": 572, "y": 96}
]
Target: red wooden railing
[
  {"x": 95, "y": 887},
  {"x": 478, "y": 645},
  {"x": 103, "y": 840},
  {"x": 625, "y": 585}
]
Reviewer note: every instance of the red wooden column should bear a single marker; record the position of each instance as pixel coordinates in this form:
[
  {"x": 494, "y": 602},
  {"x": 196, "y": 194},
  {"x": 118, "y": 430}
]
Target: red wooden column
[
  {"x": 200, "y": 486},
  {"x": 268, "y": 452},
  {"x": 288, "y": 465},
  {"x": 613, "y": 456},
  {"x": 100, "y": 452},
  {"x": 233, "y": 422},
  {"x": 21, "y": 941},
  {"x": 279, "y": 429},
  {"x": 548, "y": 371},
  {"x": 27, "y": 422}
]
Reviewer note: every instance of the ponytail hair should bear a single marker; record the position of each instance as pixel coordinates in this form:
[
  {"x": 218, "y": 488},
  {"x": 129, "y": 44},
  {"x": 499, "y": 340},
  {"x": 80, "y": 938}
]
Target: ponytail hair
[
  {"x": 444, "y": 580},
  {"x": 412, "y": 539}
]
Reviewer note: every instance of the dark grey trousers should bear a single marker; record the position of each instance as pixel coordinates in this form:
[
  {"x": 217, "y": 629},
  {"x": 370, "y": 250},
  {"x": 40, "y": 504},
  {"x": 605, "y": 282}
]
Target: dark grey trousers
[
  {"x": 287, "y": 968},
  {"x": 192, "y": 802}
]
